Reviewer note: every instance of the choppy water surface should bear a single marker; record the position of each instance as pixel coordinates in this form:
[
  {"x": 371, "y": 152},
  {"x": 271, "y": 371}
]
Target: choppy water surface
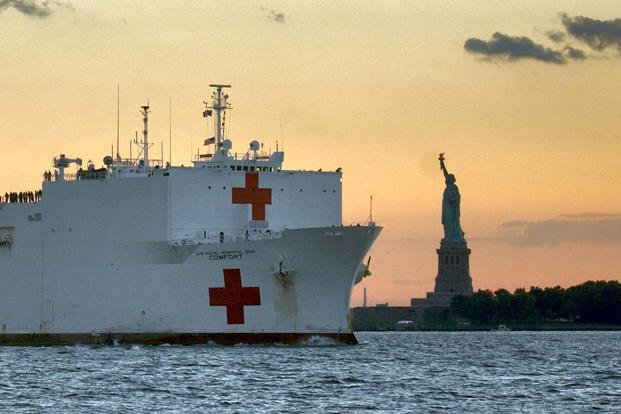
[{"x": 387, "y": 372}]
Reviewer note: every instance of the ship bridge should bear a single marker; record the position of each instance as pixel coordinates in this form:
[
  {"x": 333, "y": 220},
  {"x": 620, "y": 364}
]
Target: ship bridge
[{"x": 253, "y": 160}]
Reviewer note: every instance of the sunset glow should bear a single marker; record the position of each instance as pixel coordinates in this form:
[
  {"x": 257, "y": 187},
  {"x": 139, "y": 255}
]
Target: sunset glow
[{"x": 526, "y": 109}]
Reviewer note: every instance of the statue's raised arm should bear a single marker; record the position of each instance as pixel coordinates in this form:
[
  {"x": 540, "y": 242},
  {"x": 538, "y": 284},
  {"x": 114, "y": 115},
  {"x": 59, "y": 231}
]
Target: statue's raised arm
[{"x": 442, "y": 167}]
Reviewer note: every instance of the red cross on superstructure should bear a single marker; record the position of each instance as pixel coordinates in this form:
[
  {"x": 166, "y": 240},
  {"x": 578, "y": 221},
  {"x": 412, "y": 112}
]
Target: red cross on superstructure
[
  {"x": 252, "y": 194},
  {"x": 234, "y": 296}
]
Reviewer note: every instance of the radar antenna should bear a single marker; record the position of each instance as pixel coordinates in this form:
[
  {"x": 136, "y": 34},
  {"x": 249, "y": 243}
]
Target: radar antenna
[{"x": 63, "y": 162}]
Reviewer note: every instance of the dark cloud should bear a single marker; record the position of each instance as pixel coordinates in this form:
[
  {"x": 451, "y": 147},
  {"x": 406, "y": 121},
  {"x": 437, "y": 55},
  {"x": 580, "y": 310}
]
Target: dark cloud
[
  {"x": 556, "y": 36},
  {"x": 511, "y": 48},
  {"x": 277, "y": 17},
  {"x": 32, "y": 8},
  {"x": 583, "y": 228},
  {"x": 598, "y": 34},
  {"x": 274, "y": 15},
  {"x": 573, "y": 53}
]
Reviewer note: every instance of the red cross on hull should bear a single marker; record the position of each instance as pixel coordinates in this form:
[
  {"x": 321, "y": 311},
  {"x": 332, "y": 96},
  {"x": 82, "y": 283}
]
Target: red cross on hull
[
  {"x": 252, "y": 194},
  {"x": 234, "y": 296}
]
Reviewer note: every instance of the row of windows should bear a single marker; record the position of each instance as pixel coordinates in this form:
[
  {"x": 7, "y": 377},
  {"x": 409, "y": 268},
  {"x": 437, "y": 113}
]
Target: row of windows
[
  {"x": 252, "y": 168},
  {"x": 243, "y": 168},
  {"x": 454, "y": 260},
  {"x": 282, "y": 189}
]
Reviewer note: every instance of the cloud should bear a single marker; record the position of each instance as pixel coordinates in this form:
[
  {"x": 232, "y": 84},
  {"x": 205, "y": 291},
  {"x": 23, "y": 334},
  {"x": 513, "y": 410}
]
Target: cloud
[
  {"x": 556, "y": 36},
  {"x": 580, "y": 228},
  {"x": 504, "y": 47},
  {"x": 277, "y": 17},
  {"x": 598, "y": 34},
  {"x": 573, "y": 53},
  {"x": 274, "y": 15},
  {"x": 33, "y": 8}
]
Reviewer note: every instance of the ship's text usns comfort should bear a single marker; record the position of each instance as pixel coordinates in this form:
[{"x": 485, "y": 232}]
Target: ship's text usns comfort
[{"x": 234, "y": 249}]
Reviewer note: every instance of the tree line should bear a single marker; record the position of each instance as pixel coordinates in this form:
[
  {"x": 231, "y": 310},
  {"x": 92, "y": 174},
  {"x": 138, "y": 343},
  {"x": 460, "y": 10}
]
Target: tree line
[{"x": 590, "y": 302}]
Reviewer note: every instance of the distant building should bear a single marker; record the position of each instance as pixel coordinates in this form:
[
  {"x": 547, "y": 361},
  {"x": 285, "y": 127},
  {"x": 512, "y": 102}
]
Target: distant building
[{"x": 380, "y": 317}]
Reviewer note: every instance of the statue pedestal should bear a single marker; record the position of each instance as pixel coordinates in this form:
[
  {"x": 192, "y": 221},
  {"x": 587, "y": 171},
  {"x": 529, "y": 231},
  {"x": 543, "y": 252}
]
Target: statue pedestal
[{"x": 453, "y": 276}]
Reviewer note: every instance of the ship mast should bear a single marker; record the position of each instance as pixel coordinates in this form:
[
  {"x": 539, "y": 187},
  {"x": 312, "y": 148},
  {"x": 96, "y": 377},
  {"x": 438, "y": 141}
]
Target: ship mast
[
  {"x": 219, "y": 105},
  {"x": 145, "y": 142}
]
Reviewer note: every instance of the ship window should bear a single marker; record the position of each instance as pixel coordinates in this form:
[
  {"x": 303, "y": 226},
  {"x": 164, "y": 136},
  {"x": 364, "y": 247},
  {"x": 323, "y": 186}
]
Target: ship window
[
  {"x": 300, "y": 190},
  {"x": 224, "y": 187},
  {"x": 245, "y": 168},
  {"x": 232, "y": 167},
  {"x": 446, "y": 260},
  {"x": 281, "y": 189},
  {"x": 452, "y": 259},
  {"x": 457, "y": 260},
  {"x": 251, "y": 168},
  {"x": 209, "y": 187}
]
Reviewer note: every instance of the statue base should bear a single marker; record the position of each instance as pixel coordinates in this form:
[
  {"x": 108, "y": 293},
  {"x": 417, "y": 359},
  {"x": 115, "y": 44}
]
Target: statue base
[{"x": 453, "y": 276}]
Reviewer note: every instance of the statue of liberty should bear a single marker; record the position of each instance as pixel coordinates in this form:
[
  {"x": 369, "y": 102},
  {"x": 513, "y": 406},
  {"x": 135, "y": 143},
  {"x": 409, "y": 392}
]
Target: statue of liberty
[{"x": 450, "y": 208}]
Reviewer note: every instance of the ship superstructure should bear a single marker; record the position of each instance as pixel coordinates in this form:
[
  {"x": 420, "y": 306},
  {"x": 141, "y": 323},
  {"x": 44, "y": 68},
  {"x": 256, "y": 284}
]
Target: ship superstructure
[{"x": 232, "y": 249}]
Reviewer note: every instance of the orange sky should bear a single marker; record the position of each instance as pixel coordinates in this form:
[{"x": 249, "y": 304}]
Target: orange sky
[{"x": 377, "y": 88}]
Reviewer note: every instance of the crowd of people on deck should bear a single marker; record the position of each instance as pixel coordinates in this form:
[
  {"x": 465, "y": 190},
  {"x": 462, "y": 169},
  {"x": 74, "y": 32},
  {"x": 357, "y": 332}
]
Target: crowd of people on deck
[
  {"x": 21, "y": 197},
  {"x": 27, "y": 196},
  {"x": 47, "y": 175}
]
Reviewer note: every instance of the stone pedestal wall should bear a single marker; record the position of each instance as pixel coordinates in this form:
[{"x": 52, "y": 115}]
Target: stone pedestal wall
[
  {"x": 453, "y": 269},
  {"x": 453, "y": 276}
]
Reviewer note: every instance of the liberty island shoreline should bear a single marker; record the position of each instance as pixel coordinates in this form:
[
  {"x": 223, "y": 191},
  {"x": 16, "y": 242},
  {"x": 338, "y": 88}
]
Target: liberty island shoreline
[{"x": 589, "y": 306}]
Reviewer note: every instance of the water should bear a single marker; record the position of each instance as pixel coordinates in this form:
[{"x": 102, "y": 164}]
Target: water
[{"x": 389, "y": 372}]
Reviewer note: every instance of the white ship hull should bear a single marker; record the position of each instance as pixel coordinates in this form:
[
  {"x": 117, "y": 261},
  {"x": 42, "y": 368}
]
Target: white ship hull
[
  {"x": 233, "y": 249},
  {"x": 158, "y": 293}
]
